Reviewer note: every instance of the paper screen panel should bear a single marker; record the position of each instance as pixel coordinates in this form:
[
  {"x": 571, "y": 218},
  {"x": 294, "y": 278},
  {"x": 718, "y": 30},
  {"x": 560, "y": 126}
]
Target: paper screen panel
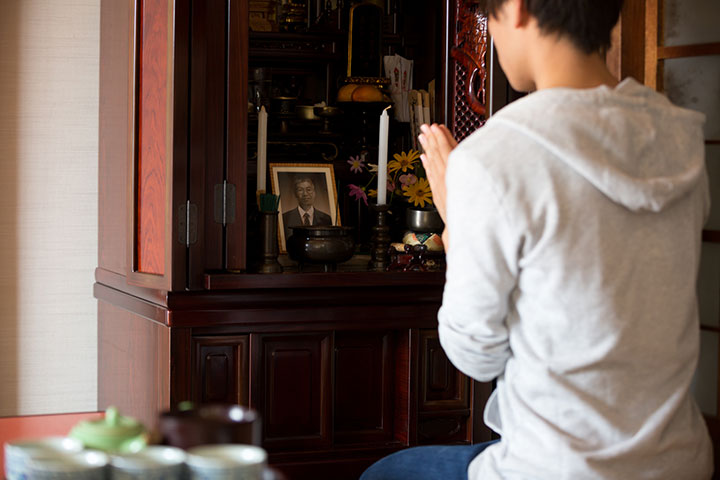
[
  {"x": 694, "y": 82},
  {"x": 691, "y": 21}
]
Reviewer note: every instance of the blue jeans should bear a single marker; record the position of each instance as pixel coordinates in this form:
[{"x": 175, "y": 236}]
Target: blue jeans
[{"x": 442, "y": 462}]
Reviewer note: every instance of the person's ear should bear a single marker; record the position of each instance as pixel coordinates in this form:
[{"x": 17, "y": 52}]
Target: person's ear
[{"x": 518, "y": 12}]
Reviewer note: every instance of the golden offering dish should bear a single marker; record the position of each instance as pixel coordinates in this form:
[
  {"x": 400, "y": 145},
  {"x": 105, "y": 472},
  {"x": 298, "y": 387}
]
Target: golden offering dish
[{"x": 327, "y": 112}]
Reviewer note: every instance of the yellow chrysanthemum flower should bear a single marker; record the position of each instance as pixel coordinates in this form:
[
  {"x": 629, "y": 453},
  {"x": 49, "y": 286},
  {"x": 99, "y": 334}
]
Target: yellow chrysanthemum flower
[
  {"x": 403, "y": 161},
  {"x": 372, "y": 193},
  {"x": 418, "y": 193}
]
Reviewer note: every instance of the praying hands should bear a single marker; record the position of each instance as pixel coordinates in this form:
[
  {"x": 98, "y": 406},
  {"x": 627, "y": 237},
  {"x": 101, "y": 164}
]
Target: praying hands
[{"x": 438, "y": 142}]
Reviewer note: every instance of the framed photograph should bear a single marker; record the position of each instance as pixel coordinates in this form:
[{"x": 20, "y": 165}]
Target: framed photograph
[{"x": 308, "y": 196}]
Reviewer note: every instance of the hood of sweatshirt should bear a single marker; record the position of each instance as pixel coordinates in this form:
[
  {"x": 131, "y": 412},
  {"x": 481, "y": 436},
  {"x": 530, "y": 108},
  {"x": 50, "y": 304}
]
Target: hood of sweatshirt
[{"x": 630, "y": 142}]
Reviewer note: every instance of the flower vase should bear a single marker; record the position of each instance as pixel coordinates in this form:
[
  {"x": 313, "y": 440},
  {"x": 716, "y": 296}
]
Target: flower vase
[{"x": 269, "y": 239}]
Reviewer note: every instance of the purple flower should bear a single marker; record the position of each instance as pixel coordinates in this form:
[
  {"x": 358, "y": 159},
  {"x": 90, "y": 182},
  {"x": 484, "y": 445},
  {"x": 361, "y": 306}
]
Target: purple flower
[
  {"x": 357, "y": 163},
  {"x": 358, "y": 193},
  {"x": 390, "y": 186},
  {"x": 408, "y": 179}
]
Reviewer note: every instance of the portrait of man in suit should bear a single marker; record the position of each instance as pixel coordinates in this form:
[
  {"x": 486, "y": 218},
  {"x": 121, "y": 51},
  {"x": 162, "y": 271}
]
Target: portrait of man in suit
[
  {"x": 305, "y": 213},
  {"x": 308, "y": 196}
]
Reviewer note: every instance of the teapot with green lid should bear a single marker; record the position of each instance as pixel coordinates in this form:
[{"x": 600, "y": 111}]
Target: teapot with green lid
[{"x": 114, "y": 433}]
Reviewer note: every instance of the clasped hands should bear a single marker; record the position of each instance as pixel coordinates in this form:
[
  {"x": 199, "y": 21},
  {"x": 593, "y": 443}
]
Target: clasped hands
[{"x": 437, "y": 143}]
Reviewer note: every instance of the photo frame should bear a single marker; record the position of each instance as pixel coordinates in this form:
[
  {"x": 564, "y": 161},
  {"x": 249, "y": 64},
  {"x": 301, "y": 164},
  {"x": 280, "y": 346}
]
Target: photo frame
[{"x": 300, "y": 187}]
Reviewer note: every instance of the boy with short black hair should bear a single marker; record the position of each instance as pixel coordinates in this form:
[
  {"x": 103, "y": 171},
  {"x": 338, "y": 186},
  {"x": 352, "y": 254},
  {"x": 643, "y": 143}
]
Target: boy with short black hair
[
  {"x": 587, "y": 23},
  {"x": 573, "y": 230}
]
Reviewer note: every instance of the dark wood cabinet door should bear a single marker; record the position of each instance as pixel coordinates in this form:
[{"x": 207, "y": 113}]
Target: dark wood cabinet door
[
  {"x": 222, "y": 374},
  {"x": 446, "y": 428},
  {"x": 363, "y": 387},
  {"x": 444, "y": 413},
  {"x": 291, "y": 389},
  {"x": 442, "y": 386},
  {"x": 218, "y": 136},
  {"x": 157, "y": 144}
]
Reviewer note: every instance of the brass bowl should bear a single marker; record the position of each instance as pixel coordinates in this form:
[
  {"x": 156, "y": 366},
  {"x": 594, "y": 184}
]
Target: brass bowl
[
  {"x": 424, "y": 220},
  {"x": 326, "y": 245}
]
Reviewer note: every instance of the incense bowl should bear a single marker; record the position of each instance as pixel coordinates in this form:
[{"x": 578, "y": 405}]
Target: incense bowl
[{"x": 326, "y": 245}]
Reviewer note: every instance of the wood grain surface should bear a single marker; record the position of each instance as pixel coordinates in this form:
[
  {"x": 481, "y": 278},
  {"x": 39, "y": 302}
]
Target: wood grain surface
[{"x": 152, "y": 141}]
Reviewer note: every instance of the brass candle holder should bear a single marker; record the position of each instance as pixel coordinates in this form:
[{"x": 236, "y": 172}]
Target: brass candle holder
[{"x": 380, "y": 238}]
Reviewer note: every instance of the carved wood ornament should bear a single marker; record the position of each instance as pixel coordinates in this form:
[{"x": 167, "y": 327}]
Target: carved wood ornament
[{"x": 468, "y": 55}]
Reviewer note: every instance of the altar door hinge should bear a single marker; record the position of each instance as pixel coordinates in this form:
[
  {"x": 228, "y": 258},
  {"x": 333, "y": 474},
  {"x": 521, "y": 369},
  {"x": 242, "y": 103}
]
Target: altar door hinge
[
  {"x": 224, "y": 203},
  {"x": 187, "y": 223}
]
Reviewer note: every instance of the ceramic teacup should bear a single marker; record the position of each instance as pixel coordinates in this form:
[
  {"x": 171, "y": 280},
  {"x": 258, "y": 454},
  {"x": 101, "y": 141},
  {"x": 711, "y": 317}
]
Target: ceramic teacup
[
  {"x": 226, "y": 462},
  {"x": 86, "y": 465},
  {"x": 17, "y": 454},
  {"x": 152, "y": 463}
]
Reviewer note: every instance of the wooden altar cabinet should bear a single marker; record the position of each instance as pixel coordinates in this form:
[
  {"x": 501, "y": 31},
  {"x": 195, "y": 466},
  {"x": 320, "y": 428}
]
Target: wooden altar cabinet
[{"x": 343, "y": 367}]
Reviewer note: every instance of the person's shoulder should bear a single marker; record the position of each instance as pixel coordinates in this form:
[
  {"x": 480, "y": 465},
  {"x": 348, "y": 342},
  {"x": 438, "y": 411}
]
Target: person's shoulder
[
  {"x": 495, "y": 130},
  {"x": 493, "y": 142},
  {"x": 322, "y": 214}
]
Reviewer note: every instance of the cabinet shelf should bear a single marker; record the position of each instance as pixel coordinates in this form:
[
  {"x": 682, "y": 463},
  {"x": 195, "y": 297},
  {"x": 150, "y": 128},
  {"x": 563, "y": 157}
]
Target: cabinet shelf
[
  {"x": 290, "y": 47},
  {"x": 240, "y": 281}
]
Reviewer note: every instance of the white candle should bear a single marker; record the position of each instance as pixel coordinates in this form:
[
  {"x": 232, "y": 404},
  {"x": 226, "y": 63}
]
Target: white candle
[
  {"x": 382, "y": 158},
  {"x": 262, "y": 149}
]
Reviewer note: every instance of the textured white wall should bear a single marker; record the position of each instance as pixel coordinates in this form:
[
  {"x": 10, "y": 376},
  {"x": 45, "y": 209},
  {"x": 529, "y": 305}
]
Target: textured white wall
[{"x": 49, "y": 64}]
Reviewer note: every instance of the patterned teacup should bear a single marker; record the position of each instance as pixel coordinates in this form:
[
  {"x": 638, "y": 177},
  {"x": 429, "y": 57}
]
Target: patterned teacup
[
  {"x": 152, "y": 463},
  {"x": 19, "y": 453},
  {"x": 224, "y": 462}
]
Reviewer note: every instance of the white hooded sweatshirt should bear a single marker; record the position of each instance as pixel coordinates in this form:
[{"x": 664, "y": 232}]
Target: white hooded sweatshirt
[{"x": 575, "y": 221}]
